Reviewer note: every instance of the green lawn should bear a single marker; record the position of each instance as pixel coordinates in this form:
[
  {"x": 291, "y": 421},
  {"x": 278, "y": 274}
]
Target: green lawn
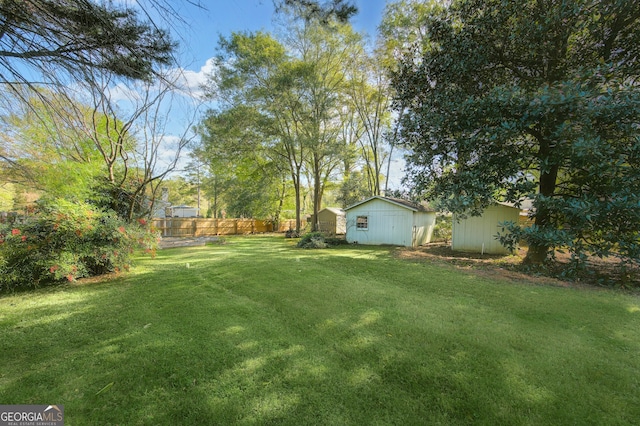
[{"x": 258, "y": 332}]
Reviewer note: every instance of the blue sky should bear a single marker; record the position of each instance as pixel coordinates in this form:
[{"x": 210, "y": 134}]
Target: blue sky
[{"x": 204, "y": 27}]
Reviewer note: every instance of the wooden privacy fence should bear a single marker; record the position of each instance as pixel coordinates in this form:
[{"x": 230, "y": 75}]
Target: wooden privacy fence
[{"x": 199, "y": 227}]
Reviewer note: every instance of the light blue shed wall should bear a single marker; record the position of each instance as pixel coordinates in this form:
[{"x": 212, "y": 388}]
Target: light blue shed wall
[{"x": 389, "y": 223}]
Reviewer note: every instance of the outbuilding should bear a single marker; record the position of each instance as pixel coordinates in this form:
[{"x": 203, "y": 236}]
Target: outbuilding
[
  {"x": 332, "y": 220},
  {"x": 477, "y": 234},
  {"x": 384, "y": 220}
]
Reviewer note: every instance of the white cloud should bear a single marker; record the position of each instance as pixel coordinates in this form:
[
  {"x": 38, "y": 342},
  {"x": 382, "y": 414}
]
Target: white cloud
[
  {"x": 183, "y": 82},
  {"x": 167, "y": 151},
  {"x": 122, "y": 92},
  {"x": 191, "y": 83}
]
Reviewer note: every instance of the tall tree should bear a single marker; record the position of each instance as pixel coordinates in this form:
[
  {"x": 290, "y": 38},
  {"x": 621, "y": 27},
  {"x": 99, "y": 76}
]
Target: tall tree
[
  {"x": 74, "y": 35},
  {"x": 323, "y": 50},
  {"x": 508, "y": 100},
  {"x": 370, "y": 97},
  {"x": 298, "y": 88},
  {"x": 245, "y": 174},
  {"x": 67, "y": 147},
  {"x": 353, "y": 189},
  {"x": 42, "y": 147},
  {"x": 77, "y": 34},
  {"x": 402, "y": 32},
  {"x": 137, "y": 150},
  {"x": 257, "y": 73}
]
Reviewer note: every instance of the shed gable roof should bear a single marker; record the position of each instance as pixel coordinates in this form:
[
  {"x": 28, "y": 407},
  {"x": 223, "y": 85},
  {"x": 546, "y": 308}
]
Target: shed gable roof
[
  {"x": 335, "y": 210},
  {"x": 396, "y": 201}
]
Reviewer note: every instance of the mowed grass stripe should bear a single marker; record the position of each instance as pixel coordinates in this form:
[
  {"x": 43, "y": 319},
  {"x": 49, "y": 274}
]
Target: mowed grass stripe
[{"x": 256, "y": 331}]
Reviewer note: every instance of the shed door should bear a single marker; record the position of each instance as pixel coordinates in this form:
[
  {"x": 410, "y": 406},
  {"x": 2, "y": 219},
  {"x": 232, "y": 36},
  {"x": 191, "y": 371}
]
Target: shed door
[{"x": 394, "y": 229}]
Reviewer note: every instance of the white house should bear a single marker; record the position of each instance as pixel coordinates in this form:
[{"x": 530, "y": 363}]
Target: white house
[
  {"x": 384, "y": 220},
  {"x": 331, "y": 220},
  {"x": 183, "y": 211},
  {"x": 478, "y": 233}
]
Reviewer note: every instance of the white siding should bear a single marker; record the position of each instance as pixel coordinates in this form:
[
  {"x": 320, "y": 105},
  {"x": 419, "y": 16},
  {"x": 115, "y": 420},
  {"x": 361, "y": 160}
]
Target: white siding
[
  {"x": 389, "y": 223},
  {"x": 423, "y": 224},
  {"x": 472, "y": 233}
]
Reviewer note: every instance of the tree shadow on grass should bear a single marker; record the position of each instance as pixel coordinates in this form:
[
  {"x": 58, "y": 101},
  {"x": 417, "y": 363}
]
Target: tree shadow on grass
[{"x": 216, "y": 346}]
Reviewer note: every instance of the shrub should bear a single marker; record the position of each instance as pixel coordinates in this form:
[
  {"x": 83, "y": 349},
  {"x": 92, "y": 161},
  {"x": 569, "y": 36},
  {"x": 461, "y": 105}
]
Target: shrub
[
  {"x": 319, "y": 240},
  {"x": 312, "y": 240},
  {"x": 291, "y": 233},
  {"x": 442, "y": 230},
  {"x": 66, "y": 241},
  {"x": 335, "y": 241}
]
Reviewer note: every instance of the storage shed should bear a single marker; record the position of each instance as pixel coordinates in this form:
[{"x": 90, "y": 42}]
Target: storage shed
[
  {"x": 478, "y": 233},
  {"x": 332, "y": 220},
  {"x": 384, "y": 220}
]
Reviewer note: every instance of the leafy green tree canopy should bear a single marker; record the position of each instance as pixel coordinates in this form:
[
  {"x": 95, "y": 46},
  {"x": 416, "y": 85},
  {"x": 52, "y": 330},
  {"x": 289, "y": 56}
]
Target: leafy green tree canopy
[
  {"x": 246, "y": 175},
  {"x": 507, "y": 100}
]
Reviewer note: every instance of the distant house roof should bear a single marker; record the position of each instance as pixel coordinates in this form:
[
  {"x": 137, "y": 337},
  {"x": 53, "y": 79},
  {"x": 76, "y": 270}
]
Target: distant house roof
[
  {"x": 182, "y": 207},
  {"x": 397, "y": 201}
]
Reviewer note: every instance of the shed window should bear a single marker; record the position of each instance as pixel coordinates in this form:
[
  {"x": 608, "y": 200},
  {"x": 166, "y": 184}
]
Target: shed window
[{"x": 362, "y": 222}]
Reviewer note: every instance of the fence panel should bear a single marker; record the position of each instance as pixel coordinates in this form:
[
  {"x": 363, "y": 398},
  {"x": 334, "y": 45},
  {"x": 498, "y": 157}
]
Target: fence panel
[
  {"x": 287, "y": 224},
  {"x": 206, "y": 227},
  {"x": 227, "y": 227},
  {"x": 200, "y": 227},
  {"x": 182, "y": 227},
  {"x": 245, "y": 226},
  {"x": 263, "y": 226}
]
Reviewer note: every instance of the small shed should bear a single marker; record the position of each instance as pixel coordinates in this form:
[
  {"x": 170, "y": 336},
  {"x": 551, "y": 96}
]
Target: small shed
[
  {"x": 383, "y": 220},
  {"x": 478, "y": 233},
  {"x": 332, "y": 220}
]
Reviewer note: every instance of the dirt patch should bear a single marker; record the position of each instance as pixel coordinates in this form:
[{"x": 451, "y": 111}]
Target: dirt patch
[{"x": 605, "y": 272}]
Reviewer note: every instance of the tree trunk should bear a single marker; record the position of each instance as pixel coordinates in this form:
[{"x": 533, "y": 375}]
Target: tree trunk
[
  {"x": 276, "y": 217},
  {"x": 215, "y": 197},
  {"x": 316, "y": 192},
  {"x": 537, "y": 253},
  {"x": 392, "y": 143},
  {"x": 296, "y": 186}
]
